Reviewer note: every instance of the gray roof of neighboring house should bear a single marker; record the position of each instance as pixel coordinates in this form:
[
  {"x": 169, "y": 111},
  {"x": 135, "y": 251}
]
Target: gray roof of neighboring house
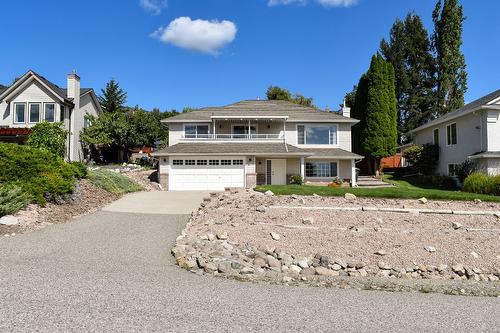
[
  {"x": 244, "y": 148},
  {"x": 472, "y": 106},
  {"x": 61, "y": 92},
  {"x": 259, "y": 108}
]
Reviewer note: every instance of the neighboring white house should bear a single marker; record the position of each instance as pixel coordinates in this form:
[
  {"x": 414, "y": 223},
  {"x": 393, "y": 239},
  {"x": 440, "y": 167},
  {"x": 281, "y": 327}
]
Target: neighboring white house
[
  {"x": 32, "y": 99},
  {"x": 256, "y": 142},
  {"x": 471, "y": 132}
]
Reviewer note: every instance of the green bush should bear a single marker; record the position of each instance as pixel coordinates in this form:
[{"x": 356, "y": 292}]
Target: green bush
[
  {"x": 113, "y": 182},
  {"x": 465, "y": 169},
  {"x": 482, "y": 184},
  {"x": 12, "y": 199},
  {"x": 49, "y": 136},
  {"x": 297, "y": 180},
  {"x": 38, "y": 172},
  {"x": 80, "y": 169},
  {"x": 423, "y": 159}
]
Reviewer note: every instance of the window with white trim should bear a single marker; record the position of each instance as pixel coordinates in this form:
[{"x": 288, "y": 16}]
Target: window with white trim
[
  {"x": 213, "y": 162},
  {"x": 452, "y": 170},
  {"x": 19, "y": 113},
  {"x": 451, "y": 134},
  {"x": 237, "y": 162},
  {"x": 49, "y": 113},
  {"x": 190, "y": 162},
  {"x": 317, "y": 135},
  {"x": 225, "y": 162},
  {"x": 196, "y": 131},
  {"x": 178, "y": 162},
  {"x": 201, "y": 162},
  {"x": 34, "y": 112},
  {"x": 436, "y": 136},
  {"x": 321, "y": 169}
]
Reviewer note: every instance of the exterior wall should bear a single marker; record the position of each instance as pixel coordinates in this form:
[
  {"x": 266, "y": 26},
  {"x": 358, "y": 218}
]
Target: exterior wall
[
  {"x": 175, "y": 132},
  {"x": 34, "y": 93},
  {"x": 343, "y": 135},
  {"x": 87, "y": 107},
  {"x": 468, "y": 141},
  {"x": 163, "y": 170},
  {"x": 493, "y": 166},
  {"x": 492, "y": 120},
  {"x": 344, "y": 170}
]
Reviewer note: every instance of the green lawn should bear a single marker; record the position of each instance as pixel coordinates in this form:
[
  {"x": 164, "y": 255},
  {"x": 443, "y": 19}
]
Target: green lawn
[{"x": 403, "y": 189}]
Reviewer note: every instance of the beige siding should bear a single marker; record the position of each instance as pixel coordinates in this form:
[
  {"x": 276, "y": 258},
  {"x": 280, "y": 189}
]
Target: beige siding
[
  {"x": 468, "y": 141},
  {"x": 343, "y": 135},
  {"x": 175, "y": 132},
  {"x": 493, "y": 130}
]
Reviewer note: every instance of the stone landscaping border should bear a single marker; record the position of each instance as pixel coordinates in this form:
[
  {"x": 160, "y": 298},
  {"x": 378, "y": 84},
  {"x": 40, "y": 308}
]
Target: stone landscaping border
[{"x": 395, "y": 210}]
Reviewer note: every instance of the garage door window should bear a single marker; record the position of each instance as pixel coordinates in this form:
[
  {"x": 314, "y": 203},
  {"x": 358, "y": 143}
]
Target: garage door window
[
  {"x": 213, "y": 162},
  {"x": 237, "y": 162},
  {"x": 190, "y": 162},
  {"x": 201, "y": 162},
  {"x": 225, "y": 162},
  {"x": 178, "y": 162}
]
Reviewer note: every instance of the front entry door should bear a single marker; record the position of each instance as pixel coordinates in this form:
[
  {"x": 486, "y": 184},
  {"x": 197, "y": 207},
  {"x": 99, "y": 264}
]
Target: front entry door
[{"x": 276, "y": 171}]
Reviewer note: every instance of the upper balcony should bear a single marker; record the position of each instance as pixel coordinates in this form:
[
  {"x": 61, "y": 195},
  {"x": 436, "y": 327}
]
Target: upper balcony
[{"x": 233, "y": 137}]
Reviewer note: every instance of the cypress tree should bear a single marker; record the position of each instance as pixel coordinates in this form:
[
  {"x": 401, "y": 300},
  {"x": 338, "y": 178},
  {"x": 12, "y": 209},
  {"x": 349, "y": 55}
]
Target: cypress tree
[
  {"x": 448, "y": 21},
  {"x": 359, "y": 112},
  {"x": 379, "y": 136}
]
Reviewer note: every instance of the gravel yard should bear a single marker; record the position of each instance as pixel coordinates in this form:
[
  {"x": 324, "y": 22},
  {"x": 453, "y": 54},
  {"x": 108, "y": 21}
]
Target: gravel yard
[{"x": 388, "y": 243}]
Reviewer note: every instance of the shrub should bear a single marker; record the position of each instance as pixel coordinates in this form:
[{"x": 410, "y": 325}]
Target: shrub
[
  {"x": 38, "y": 172},
  {"x": 80, "y": 169},
  {"x": 49, "y": 136},
  {"x": 297, "y": 180},
  {"x": 482, "y": 184},
  {"x": 12, "y": 199},
  {"x": 423, "y": 158},
  {"x": 465, "y": 169},
  {"x": 113, "y": 182}
]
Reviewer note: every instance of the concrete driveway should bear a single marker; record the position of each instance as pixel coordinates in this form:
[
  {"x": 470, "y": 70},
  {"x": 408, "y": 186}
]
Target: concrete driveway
[{"x": 112, "y": 271}]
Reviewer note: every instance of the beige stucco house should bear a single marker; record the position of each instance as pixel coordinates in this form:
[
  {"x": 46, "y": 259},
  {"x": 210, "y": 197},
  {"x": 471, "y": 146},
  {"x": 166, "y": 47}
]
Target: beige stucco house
[
  {"x": 256, "y": 142},
  {"x": 32, "y": 99},
  {"x": 471, "y": 132}
]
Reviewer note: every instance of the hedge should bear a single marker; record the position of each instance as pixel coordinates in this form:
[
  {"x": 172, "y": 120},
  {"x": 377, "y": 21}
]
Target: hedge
[{"x": 482, "y": 184}]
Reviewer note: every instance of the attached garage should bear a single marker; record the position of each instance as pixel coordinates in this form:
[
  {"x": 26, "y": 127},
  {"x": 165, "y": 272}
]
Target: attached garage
[{"x": 206, "y": 173}]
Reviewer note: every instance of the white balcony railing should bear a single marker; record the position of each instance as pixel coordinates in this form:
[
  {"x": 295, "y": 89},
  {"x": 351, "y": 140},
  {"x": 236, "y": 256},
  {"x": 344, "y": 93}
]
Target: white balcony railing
[{"x": 233, "y": 137}]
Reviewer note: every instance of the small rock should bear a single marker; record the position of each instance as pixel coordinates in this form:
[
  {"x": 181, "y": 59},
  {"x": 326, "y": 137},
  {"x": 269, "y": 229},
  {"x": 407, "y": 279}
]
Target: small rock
[
  {"x": 269, "y": 193},
  {"x": 336, "y": 267},
  {"x": 185, "y": 263},
  {"x": 272, "y": 261},
  {"x": 259, "y": 262},
  {"x": 430, "y": 249},
  {"x": 315, "y": 195},
  {"x": 247, "y": 270},
  {"x": 222, "y": 236},
  {"x": 287, "y": 279},
  {"x": 294, "y": 196},
  {"x": 477, "y": 201},
  {"x": 456, "y": 225},
  {"x": 210, "y": 267},
  {"x": 477, "y": 270},
  {"x": 235, "y": 265},
  {"x": 275, "y": 236},
  {"x": 302, "y": 201},
  {"x": 442, "y": 267},
  {"x": 211, "y": 237},
  {"x": 324, "y": 261},
  {"x": 380, "y": 253},
  {"x": 423, "y": 200},
  {"x": 308, "y": 271},
  {"x": 295, "y": 269},
  {"x": 9, "y": 220},
  {"x": 261, "y": 209},
  {"x": 225, "y": 267},
  {"x": 384, "y": 266},
  {"x": 325, "y": 271},
  {"x": 308, "y": 220},
  {"x": 303, "y": 263},
  {"x": 474, "y": 254},
  {"x": 349, "y": 196},
  {"x": 458, "y": 269},
  {"x": 379, "y": 220}
]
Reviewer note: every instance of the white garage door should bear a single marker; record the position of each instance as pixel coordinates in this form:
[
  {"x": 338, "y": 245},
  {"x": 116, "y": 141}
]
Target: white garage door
[{"x": 200, "y": 174}]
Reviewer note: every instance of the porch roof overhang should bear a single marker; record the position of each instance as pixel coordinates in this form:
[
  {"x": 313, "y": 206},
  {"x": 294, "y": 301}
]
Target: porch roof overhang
[
  {"x": 485, "y": 155},
  {"x": 250, "y": 117},
  {"x": 333, "y": 153}
]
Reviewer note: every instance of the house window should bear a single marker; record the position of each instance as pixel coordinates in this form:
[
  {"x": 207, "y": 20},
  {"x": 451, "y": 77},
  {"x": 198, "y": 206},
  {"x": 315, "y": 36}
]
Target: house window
[
  {"x": 19, "y": 113},
  {"x": 34, "y": 116},
  {"x": 317, "y": 135},
  {"x": 201, "y": 162},
  {"x": 196, "y": 131},
  {"x": 213, "y": 162},
  {"x": 237, "y": 162},
  {"x": 61, "y": 115},
  {"x": 451, "y": 134},
  {"x": 452, "y": 170},
  {"x": 241, "y": 131},
  {"x": 177, "y": 162},
  {"x": 190, "y": 162},
  {"x": 436, "y": 136},
  {"x": 49, "y": 112},
  {"x": 321, "y": 169},
  {"x": 225, "y": 162}
]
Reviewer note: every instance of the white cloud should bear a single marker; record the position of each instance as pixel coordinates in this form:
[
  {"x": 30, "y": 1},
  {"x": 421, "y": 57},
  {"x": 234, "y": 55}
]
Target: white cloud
[
  {"x": 198, "y": 35},
  {"x": 153, "y": 6},
  {"x": 326, "y": 3}
]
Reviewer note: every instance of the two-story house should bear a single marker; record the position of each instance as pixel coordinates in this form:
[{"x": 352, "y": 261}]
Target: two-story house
[
  {"x": 471, "y": 132},
  {"x": 256, "y": 142},
  {"x": 32, "y": 99}
]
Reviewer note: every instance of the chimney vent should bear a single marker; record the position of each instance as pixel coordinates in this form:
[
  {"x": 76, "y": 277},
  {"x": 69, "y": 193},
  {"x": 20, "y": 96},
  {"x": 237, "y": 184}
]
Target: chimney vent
[{"x": 327, "y": 109}]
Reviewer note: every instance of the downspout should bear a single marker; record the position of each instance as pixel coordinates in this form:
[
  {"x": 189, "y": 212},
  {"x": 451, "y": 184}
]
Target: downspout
[{"x": 284, "y": 134}]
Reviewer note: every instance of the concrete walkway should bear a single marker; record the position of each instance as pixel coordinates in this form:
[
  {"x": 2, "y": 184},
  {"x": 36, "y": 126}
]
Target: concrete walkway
[{"x": 112, "y": 271}]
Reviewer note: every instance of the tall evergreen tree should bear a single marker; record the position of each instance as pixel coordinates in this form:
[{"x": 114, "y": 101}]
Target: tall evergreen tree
[
  {"x": 409, "y": 51},
  {"x": 380, "y": 131},
  {"x": 112, "y": 97},
  {"x": 448, "y": 20},
  {"x": 358, "y": 111}
]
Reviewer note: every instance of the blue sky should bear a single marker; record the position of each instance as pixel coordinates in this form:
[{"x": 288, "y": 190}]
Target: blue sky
[{"x": 156, "y": 50}]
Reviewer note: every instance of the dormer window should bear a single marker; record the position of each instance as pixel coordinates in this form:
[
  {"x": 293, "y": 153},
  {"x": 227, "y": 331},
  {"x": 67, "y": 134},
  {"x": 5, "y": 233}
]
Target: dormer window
[
  {"x": 196, "y": 131},
  {"x": 316, "y": 135}
]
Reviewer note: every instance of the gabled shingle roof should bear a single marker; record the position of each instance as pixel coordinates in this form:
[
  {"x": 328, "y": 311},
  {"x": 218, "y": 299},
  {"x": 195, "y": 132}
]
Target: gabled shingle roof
[
  {"x": 462, "y": 111},
  {"x": 260, "y": 108}
]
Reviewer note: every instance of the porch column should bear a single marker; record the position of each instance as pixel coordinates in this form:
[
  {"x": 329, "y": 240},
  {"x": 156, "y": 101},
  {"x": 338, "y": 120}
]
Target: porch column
[
  {"x": 353, "y": 173},
  {"x": 302, "y": 167},
  {"x": 249, "y": 130},
  {"x": 213, "y": 133}
]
